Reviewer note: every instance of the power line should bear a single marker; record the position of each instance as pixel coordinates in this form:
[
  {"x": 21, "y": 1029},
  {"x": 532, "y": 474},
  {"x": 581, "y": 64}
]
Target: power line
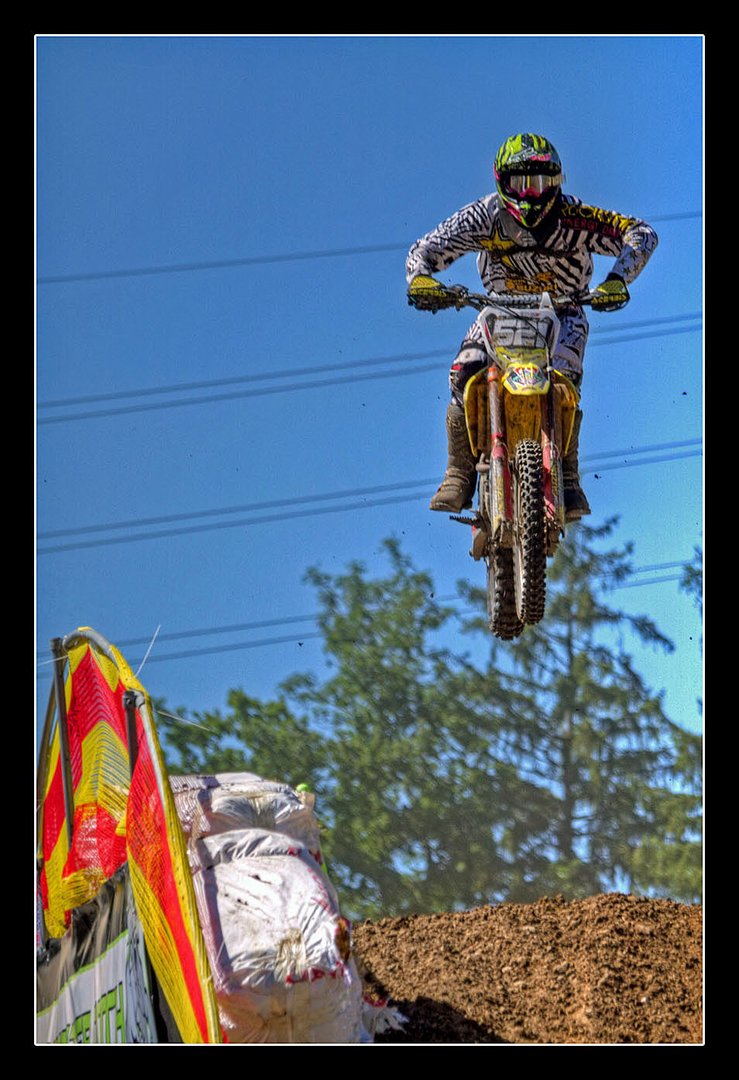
[
  {"x": 260, "y": 260},
  {"x": 292, "y": 373},
  {"x": 242, "y": 508},
  {"x": 236, "y": 380},
  {"x": 222, "y": 264},
  {"x": 299, "y": 638},
  {"x": 237, "y": 646},
  {"x": 659, "y": 566},
  {"x": 403, "y": 485},
  {"x": 310, "y": 499},
  {"x": 97, "y": 414},
  {"x": 652, "y": 581},
  {"x": 310, "y": 634},
  {"x": 642, "y": 461},
  {"x": 231, "y": 628},
  {"x": 265, "y": 519},
  {"x": 365, "y": 504},
  {"x": 259, "y": 392},
  {"x": 650, "y": 449},
  {"x": 286, "y": 620}
]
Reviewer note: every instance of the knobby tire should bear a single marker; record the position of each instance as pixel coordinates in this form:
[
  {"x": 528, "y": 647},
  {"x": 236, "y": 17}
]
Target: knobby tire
[
  {"x": 501, "y": 592},
  {"x": 529, "y": 544}
]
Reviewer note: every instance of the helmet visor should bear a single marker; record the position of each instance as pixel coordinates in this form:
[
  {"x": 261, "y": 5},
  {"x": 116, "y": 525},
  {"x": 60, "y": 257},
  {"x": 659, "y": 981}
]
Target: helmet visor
[{"x": 530, "y": 185}]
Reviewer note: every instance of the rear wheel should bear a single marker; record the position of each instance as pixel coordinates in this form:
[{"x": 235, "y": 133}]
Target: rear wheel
[
  {"x": 502, "y": 617},
  {"x": 529, "y": 532}
]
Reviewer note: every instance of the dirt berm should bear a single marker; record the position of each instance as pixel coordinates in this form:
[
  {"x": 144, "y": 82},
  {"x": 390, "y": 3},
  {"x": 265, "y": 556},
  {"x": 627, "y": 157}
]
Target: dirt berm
[{"x": 609, "y": 969}]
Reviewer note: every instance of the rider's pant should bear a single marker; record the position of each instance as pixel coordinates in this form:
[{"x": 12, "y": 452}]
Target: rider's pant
[{"x": 568, "y": 354}]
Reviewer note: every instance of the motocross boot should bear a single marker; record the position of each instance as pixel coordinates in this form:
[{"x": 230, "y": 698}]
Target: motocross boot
[
  {"x": 458, "y": 486},
  {"x": 576, "y": 503}
]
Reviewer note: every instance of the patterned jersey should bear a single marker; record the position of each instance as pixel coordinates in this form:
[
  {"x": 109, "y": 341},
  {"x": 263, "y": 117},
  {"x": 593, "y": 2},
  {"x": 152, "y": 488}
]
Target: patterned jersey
[{"x": 557, "y": 258}]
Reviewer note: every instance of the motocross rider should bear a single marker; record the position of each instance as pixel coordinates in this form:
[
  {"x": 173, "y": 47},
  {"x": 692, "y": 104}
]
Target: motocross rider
[{"x": 530, "y": 237}]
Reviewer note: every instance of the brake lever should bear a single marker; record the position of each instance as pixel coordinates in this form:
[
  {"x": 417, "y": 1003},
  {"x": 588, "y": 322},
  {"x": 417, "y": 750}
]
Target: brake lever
[{"x": 461, "y": 294}]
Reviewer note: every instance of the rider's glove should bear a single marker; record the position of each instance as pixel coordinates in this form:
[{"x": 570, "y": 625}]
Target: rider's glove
[
  {"x": 611, "y": 295},
  {"x": 428, "y": 294}
]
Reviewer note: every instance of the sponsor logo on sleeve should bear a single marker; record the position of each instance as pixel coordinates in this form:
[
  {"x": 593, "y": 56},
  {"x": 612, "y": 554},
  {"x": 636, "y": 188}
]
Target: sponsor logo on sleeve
[{"x": 593, "y": 219}]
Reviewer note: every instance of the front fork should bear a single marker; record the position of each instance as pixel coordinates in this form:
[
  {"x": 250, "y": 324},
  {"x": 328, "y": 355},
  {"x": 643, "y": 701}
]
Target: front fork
[
  {"x": 501, "y": 492},
  {"x": 551, "y": 441}
]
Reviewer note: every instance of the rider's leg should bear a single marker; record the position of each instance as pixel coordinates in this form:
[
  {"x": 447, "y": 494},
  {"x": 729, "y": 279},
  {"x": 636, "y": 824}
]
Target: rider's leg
[
  {"x": 460, "y": 479},
  {"x": 568, "y": 358},
  {"x": 576, "y": 501}
]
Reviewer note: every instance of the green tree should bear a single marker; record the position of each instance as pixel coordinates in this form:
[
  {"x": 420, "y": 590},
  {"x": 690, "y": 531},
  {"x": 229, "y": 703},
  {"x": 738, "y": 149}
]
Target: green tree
[
  {"x": 399, "y": 744},
  {"x": 263, "y": 737},
  {"x": 691, "y": 580},
  {"x": 626, "y": 778},
  {"x": 417, "y": 799},
  {"x": 448, "y": 777}
]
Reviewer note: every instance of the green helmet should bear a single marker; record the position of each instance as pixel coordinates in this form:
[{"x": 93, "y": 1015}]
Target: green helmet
[{"x": 528, "y": 177}]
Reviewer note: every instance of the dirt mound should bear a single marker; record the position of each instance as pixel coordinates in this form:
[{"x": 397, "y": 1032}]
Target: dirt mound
[{"x": 609, "y": 969}]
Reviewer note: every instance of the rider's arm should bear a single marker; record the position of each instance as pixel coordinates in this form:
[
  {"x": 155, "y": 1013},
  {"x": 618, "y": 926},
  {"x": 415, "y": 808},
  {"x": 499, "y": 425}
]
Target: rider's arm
[
  {"x": 454, "y": 237},
  {"x": 630, "y": 240},
  {"x": 638, "y": 242}
]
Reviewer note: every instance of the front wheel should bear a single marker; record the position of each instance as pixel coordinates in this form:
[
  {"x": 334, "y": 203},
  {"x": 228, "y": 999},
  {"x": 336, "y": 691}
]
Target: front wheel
[
  {"x": 529, "y": 532},
  {"x": 501, "y": 594},
  {"x": 502, "y": 617}
]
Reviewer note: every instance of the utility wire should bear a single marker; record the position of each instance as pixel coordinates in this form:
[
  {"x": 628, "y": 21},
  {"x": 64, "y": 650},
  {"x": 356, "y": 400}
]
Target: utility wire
[
  {"x": 365, "y": 504},
  {"x": 222, "y": 264},
  {"x": 229, "y": 628},
  {"x": 287, "y": 620},
  {"x": 236, "y": 380},
  {"x": 653, "y": 448},
  {"x": 96, "y": 414},
  {"x": 292, "y": 373},
  {"x": 299, "y": 638},
  {"x": 596, "y": 469},
  {"x": 285, "y": 515},
  {"x": 652, "y": 581},
  {"x": 133, "y": 523},
  {"x": 260, "y": 260},
  {"x": 243, "y": 508},
  {"x": 212, "y": 398},
  {"x": 238, "y": 646}
]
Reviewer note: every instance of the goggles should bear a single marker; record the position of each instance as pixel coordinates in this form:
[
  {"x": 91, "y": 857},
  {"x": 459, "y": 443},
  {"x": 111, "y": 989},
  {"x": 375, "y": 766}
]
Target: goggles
[{"x": 532, "y": 185}]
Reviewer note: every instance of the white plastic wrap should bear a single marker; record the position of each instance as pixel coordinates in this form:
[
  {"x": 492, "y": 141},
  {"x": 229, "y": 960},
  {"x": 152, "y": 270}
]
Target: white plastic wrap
[
  {"x": 207, "y": 805},
  {"x": 278, "y": 947}
]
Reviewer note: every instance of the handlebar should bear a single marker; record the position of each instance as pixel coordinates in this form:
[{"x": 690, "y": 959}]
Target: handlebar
[{"x": 464, "y": 298}]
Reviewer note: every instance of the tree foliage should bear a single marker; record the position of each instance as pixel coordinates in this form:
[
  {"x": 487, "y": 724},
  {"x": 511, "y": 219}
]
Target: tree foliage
[
  {"x": 691, "y": 580},
  {"x": 453, "y": 770},
  {"x": 627, "y": 779}
]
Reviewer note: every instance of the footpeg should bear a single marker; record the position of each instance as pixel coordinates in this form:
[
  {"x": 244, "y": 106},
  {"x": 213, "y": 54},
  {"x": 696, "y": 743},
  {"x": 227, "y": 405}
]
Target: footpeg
[
  {"x": 480, "y": 539},
  {"x": 480, "y": 534}
]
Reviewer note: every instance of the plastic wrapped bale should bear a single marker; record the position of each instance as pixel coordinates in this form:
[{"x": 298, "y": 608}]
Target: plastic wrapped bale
[
  {"x": 280, "y": 952},
  {"x": 207, "y": 805}
]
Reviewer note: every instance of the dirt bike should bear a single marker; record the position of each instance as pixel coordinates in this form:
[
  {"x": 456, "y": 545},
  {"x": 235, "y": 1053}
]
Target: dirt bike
[{"x": 520, "y": 413}]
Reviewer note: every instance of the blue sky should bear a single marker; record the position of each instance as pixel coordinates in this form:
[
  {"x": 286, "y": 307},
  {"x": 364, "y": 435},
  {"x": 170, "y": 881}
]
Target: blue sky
[{"x": 178, "y": 181}]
